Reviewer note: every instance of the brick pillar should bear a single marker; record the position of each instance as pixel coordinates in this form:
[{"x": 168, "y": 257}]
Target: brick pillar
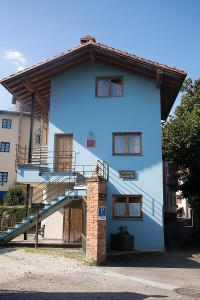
[{"x": 96, "y": 228}]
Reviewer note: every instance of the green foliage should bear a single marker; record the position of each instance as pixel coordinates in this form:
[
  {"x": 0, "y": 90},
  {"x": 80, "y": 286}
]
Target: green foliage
[
  {"x": 181, "y": 140},
  {"x": 14, "y": 196},
  {"x": 7, "y": 219},
  {"x": 9, "y": 215}
]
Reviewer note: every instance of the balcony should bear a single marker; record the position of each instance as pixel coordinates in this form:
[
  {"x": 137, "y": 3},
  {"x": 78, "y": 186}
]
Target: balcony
[{"x": 39, "y": 163}]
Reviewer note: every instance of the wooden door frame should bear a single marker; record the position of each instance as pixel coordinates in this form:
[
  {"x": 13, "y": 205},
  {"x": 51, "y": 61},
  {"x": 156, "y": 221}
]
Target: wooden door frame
[
  {"x": 69, "y": 220},
  {"x": 55, "y": 146}
]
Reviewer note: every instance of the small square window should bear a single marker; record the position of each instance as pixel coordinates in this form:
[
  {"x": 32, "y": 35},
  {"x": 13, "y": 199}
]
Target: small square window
[
  {"x": 127, "y": 206},
  {"x": 5, "y": 147},
  {"x": 109, "y": 87},
  {"x": 125, "y": 143},
  {"x": 3, "y": 176},
  {"x": 6, "y": 123}
]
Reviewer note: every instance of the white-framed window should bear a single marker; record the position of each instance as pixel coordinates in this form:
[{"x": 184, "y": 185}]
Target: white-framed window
[
  {"x": 127, "y": 206},
  {"x": 127, "y": 143},
  {"x": 5, "y": 147},
  {"x": 7, "y": 123},
  {"x": 109, "y": 87},
  {"x": 3, "y": 176}
]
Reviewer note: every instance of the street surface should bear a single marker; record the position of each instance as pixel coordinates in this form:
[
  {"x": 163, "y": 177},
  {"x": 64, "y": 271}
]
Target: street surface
[{"x": 32, "y": 276}]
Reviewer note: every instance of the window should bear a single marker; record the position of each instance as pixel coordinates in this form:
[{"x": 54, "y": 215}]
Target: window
[
  {"x": 127, "y": 206},
  {"x": 3, "y": 176},
  {"x": 109, "y": 87},
  {"x": 127, "y": 143},
  {"x": 6, "y": 123},
  {"x": 5, "y": 147}
]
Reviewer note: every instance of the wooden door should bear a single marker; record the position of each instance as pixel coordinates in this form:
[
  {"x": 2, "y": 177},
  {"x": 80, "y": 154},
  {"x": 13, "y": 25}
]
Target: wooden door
[
  {"x": 72, "y": 225},
  {"x": 63, "y": 155}
]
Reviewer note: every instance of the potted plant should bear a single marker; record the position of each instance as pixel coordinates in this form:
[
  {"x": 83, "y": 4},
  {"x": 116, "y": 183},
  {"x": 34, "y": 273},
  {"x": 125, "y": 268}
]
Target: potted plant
[{"x": 122, "y": 240}]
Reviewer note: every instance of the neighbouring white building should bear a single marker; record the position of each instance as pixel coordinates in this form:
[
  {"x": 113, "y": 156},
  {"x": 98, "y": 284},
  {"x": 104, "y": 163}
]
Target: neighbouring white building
[{"x": 14, "y": 130}]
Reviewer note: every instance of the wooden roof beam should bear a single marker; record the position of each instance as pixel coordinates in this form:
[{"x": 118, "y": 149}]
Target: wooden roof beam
[
  {"x": 159, "y": 78},
  {"x": 29, "y": 86}
]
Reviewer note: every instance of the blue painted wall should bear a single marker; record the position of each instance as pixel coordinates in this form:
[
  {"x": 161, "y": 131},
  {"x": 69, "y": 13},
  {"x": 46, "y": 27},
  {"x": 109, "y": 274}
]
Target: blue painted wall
[{"x": 75, "y": 109}]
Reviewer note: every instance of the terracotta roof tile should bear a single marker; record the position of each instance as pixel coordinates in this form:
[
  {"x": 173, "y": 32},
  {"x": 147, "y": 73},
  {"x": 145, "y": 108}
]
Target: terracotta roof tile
[{"x": 103, "y": 47}]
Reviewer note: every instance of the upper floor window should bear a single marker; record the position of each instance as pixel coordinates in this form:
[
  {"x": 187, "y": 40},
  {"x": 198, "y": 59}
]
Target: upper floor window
[
  {"x": 127, "y": 143},
  {"x": 109, "y": 87},
  {"x": 3, "y": 176},
  {"x": 127, "y": 206},
  {"x": 5, "y": 147},
  {"x": 6, "y": 123}
]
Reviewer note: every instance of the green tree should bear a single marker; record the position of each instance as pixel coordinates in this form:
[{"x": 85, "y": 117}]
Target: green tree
[
  {"x": 181, "y": 142},
  {"x": 14, "y": 196}
]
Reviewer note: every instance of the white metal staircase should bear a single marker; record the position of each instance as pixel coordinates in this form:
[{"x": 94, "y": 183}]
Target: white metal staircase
[
  {"x": 58, "y": 189},
  {"x": 49, "y": 208}
]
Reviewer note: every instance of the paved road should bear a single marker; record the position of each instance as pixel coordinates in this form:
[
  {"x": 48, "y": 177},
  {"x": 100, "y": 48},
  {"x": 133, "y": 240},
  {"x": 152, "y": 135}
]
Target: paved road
[{"x": 38, "y": 276}]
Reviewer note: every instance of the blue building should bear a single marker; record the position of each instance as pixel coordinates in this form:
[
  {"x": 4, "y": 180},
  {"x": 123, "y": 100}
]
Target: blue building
[{"x": 100, "y": 111}]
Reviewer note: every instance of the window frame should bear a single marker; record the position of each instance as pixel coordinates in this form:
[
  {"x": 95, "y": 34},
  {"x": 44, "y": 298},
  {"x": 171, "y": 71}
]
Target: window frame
[
  {"x": 6, "y": 122},
  {"x": 5, "y": 143},
  {"x": 127, "y": 216},
  {"x": 114, "y": 134},
  {"x": 4, "y": 174},
  {"x": 109, "y": 78}
]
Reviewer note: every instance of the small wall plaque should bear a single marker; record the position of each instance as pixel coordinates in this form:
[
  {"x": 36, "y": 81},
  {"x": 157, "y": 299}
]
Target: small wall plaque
[
  {"x": 102, "y": 213},
  {"x": 102, "y": 196},
  {"x": 127, "y": 174},
  {"x": 90, "y": 143}
]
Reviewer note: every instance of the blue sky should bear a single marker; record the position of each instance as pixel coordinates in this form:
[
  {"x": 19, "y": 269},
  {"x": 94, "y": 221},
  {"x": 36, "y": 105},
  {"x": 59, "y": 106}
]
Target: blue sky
[{"x": 160, "y": 30}]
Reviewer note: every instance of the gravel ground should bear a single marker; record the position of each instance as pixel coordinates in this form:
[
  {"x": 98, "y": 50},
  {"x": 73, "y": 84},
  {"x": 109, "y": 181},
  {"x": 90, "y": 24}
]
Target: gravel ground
[{"x": 40, "y": 276}]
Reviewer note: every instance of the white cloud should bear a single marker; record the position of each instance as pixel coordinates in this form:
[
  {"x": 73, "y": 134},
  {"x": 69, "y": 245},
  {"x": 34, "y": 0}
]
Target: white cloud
[{"x": 16, "y": 58}]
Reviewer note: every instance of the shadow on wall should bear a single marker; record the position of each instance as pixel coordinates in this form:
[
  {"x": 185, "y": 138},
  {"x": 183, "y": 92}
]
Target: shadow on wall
[
  {"x": 151, "y": 207},
  {"x": 18, "y": 295}
]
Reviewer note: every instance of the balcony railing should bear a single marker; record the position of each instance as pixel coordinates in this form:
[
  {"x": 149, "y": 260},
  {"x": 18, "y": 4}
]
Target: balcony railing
[{"x": 58, "y": 162}]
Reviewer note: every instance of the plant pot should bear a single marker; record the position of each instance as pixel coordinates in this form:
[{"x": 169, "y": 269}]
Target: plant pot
[{"x": 123, "y": 242}]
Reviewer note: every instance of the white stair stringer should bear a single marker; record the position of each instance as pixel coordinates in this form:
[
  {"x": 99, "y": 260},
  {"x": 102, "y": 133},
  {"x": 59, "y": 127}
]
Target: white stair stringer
[{"x": 49, "y": 208}]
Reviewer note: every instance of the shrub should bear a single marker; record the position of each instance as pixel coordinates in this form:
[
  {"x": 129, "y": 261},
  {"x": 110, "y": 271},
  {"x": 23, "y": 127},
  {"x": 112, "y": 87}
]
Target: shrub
[{"x": 14, "y": 196}]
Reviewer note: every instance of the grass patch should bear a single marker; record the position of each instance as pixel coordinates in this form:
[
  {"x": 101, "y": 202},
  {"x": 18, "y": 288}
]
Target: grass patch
[{"x": 71, "y": 253}]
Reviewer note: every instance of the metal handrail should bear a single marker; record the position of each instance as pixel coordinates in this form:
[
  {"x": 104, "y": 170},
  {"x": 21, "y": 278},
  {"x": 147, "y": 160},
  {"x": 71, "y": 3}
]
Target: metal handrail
[
  {"x": 66, "y": 179},
  {"x": 48, "y": 193},
  {"x": 47, "y": 162}
]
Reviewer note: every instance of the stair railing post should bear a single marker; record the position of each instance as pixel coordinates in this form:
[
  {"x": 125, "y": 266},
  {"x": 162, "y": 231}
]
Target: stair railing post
[
  {"x": 40, "y": 156},
  {"x": 25, "y": 155},
  {"x": 37, "y": 227},
  {"x": 26, "y": 205}
]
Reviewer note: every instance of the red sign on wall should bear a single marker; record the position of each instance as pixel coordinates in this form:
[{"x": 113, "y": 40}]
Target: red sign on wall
[{"x": 90, "y": 143}]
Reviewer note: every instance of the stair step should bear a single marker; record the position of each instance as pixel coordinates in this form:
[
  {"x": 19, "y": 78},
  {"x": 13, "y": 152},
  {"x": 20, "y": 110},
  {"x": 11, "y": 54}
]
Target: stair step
[
  {"x": 3, "y": 233},
  {"x": 80, "y": 187},
  {"x": 32, "y": 216},
  {"x": 25, "y": 220},
  {"x": 47, "y": 206},
  {"x": 9, "y": 229},
  {"x": 54, "y": 202},
  {"x": 17, "y": 225}
]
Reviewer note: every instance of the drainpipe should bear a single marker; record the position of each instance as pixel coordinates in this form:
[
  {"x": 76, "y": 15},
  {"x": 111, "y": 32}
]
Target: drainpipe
[{"x": 30, "y": 151}]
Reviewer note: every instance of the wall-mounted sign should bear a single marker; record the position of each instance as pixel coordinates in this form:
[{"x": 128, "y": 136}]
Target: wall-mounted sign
[
  {"x": 102, "y": 213},
  {"x": 90, "y": 143},
  {"x": 127, "y": 174},
  {"x": 102, "y": 196}
]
